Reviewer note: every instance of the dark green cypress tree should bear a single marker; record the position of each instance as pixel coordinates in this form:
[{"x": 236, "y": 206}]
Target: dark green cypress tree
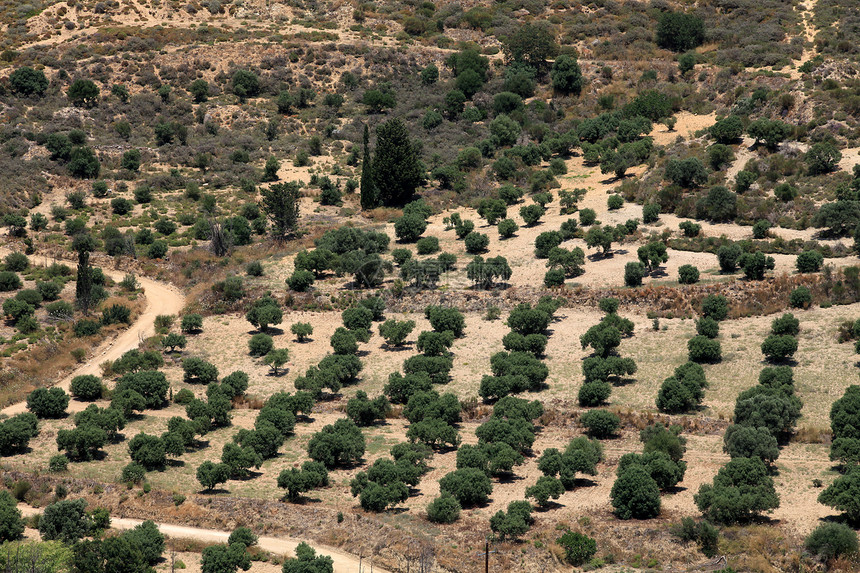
[
  {"x": 397, "y": 169},
  {"x": 83, "y": 244},
  {"x": 369, "y": 192}
]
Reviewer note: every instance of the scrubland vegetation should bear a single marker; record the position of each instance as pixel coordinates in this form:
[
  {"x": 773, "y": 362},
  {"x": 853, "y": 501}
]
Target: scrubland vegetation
[{"x": 577, "y": 281}]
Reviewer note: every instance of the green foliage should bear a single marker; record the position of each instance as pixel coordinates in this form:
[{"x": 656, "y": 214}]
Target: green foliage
[
  {"x": 297, "y": 481},
  {"x": 715, "y": 306},
  {"x": 445, "y": 318},
  {"x": 397, "y": 169},
  {"x": 727, "y": 130},
  {"x": 260, "y": 344},
  {"x": 48, "y": 402},
  {"x": 718, "y": 205},
  {"x": 513, "y": 523},
  {"x": 600, "y": 423},
  {"x": 769, "y": 132},
  {"x": 566, "y": 75},
  {"x": 749, "y": 442},
  {"x": 224, "y": 558},
  {"x": 444, "y": 509},
  {"x": 741, "y": 490},
  {"x": 832, "y": 540},
  {"x": 703, "y": 349},
  {"x": 147, "y": 450},
  {"x": 822, "y": 157},
  {"x": 365, "y": 412},
  {"x": 280, "y": 203},
  {"x": 395, "y": 332},
  {"x": 688, "y": 274},
  {"x": 635, "y": 494},
  {"x": 469, "y": 486},
  {"x": 842, "y": 494},
  {"x": 578, "y": 548},
  {"x": 687, "y": 173},
  {"x": 652, "y": 255},
  {"x": 337, "y": 444},
  {"x": 778, "y": 348},
  {"x": 245, "y": 84},
  {"x": 83, "y": 93},
  {"x": 210, "y": 474},
  {"x": 665, "y": 471},
  {"x": 680, "y": 32},
  {"x": 11, "y": 524},
  {"x": 65, "y": 520},
  {"x": 26, "y": 81},
  {"x": 307, "y": 561}
]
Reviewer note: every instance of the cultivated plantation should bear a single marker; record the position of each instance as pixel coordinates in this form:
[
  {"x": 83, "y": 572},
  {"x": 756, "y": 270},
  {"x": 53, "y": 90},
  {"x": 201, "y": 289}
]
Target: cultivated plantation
[{"x": 320, "y": 286}]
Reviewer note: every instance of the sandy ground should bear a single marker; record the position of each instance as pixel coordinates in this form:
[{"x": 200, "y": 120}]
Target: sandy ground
[{"x": 343, "y": 562}]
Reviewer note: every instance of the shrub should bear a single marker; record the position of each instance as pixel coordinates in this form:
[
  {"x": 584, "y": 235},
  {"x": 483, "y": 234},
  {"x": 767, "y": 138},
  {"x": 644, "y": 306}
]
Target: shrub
[
  {"x": 740, "y": 490},
  {"x": 633, "y": 274},
  {"x": 469, "y": 486},
  {"x": 707, "y": 326},
  {"x": 9, "y": 281},
  {"x": 690, "y": 229},
  {"x": 27, "y": 81},
  {"x": 786, "y": 324},
  {"x": 48, "y": 402},
  {"x": 703, "y": 349},
  {"x": 715, "y": 306},
  {"x": 58, "y": 463},
  {"x": 531, "y": 214},
  {"x": 191, "y": 323},
  {"x": 728, "y": 256},
  {"x": 822, "y": 157},
  {"x": 809, "y": 262},
  {"x": 594, "y": 393},
  {"x": 600, "y": 423},
  {"x": 336, "y": 444},
  {"x": 444, "y": 318},
  {"x": 476, "y": 242},
  {"x": 507, "y": 228},
  {"x": 760, "y": 229},
  {"x": 832, "y": 540},
  {"x": 688, "y": 274},
  {"x": 727, "y": 130},
  {"x": 260, "y": 344},
  {"x": 409, "y": 228},
  {"x": 444, "y": 509},
  {"x": 86, "y": 387},
  {"x": 16, "y": 262},
  {"x": 427, "y": 245},
  {"x": 395, "y": 332},
  {"x": 777, "y": 348},
  {"x": 301, "y": 280},
  {"x": 749, "y": 442},
  {"x": 65, "y": 520},
  {"x": 302, "y": 330},
  {"x": 635, "y": 494},
  {"x": 578, "y": 548}
]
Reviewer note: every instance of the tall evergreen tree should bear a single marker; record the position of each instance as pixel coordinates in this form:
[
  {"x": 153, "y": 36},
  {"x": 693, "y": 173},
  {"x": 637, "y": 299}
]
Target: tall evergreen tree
[
  {"x": 369, "y": 192},
  {"x": 280, "y": 202},
  {"x": 84, "y": 244},
  {"x": 397, "y": 170}
]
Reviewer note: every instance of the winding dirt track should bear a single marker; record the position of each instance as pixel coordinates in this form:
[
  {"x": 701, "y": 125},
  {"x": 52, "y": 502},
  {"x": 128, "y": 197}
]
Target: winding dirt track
[
  {"x": 161, "y": 298},
  {"x": 343, "y": 562}
]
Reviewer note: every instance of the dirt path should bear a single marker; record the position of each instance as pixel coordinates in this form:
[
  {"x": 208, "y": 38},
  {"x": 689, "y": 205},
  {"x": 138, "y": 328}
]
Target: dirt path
[
  {"x": 809, "y": 35},
  {"x": 343, "y": 562},
  {"x": 161, "y": 298}
]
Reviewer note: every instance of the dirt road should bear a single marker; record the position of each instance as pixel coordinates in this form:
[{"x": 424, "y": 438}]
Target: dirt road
[
  {"x": 343, "y": 562},
  {"x": 161, "y": 298}
]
